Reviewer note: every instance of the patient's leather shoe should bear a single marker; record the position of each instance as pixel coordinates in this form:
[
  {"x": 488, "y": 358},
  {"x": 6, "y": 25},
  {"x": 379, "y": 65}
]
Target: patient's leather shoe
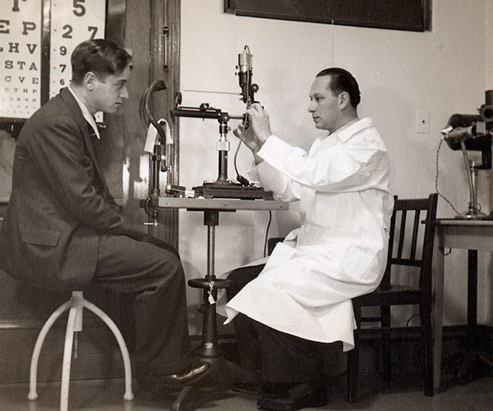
[
  {"x": 305, "y": 395},
  {"x": 189, "y": 375},
  {"x": 170, "y": 383}
]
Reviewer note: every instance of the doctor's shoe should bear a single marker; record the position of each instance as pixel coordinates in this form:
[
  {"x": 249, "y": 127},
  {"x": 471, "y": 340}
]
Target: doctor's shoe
[
  {"x": 259, "y": 387},
  {"x": 305, "y": 395}
]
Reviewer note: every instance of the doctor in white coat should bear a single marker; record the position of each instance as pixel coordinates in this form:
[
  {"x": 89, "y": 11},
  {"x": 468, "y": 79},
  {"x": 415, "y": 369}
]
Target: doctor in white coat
[{"x": 301, "y": 299}]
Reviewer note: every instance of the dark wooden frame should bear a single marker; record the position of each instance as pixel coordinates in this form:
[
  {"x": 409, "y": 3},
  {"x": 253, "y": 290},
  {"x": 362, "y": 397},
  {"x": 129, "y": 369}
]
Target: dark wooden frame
[{"x": 409, "y": 15}]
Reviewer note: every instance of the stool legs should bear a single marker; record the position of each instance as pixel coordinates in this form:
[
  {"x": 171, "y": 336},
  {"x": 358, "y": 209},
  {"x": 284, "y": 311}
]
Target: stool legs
[
  {"x": 74, "y": 324},
  {"x": 128, "y": 396},
  {"x": 67, "y": 351},
  {"x": 33, "y": 395}
]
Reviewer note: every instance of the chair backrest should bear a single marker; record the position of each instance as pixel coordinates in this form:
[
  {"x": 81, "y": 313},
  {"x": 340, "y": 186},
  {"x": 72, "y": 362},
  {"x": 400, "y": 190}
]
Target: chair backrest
[{"x": 411, "y": 238}]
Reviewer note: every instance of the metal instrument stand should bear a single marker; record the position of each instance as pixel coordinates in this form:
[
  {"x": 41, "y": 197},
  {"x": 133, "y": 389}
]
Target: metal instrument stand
[
  {"x": 209, "y": 350},
  {"x": 210, "y": 284}
]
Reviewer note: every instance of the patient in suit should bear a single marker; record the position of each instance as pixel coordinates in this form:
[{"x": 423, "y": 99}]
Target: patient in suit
[{"x": 63, "y": 229}]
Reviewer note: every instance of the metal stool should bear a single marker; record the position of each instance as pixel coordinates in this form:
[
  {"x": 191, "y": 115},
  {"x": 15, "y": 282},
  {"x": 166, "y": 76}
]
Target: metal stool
[{"x": 74, "y": 324}]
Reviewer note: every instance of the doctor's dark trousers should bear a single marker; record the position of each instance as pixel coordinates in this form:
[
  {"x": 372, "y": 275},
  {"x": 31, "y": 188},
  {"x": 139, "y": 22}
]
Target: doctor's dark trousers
[
  {"x": 153, "y": 277},
  {"x": 280, "y": 357}
]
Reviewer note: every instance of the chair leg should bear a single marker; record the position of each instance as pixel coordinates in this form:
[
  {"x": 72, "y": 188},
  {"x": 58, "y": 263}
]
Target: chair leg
[
  {"x": 67, "y": 356},
  {"x": 386, "y": 346},
  {"x": 428, "y": 346},
  {"x": 33, "y": 395},
  {"x": 128, "y": 396},
  {"x": 352, "y": 372},
  {"x": 353, "y": 359}
]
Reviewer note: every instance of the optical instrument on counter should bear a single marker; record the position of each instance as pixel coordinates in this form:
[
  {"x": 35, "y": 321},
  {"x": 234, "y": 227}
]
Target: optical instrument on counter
[
  {"x": 472, "y": 133},
  {"x": 222, "y": 187}
]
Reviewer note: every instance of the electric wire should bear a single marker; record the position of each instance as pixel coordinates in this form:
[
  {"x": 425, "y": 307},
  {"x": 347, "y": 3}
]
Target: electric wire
[
  {"x": 239, "y": 178},
  {"x": 242, "y": 180},
  {"x": 266, "y": 241},
  {"x": 436, "y": 180},
  {"x": 410, "y": 318},
  {"x": 438, "y": 192},
  {"x": 236, "y": 156}
]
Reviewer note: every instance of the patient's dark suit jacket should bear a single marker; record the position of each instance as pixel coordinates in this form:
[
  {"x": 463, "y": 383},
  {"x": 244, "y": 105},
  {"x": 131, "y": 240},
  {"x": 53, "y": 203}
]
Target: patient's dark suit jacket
[{"x": 60, "y": 203}]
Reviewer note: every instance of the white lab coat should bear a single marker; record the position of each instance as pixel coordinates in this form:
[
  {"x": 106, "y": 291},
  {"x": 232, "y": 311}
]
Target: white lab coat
[{"x": 340, "y": 250}]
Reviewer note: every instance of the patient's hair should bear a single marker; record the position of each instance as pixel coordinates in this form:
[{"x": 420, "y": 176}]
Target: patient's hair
[
  {"x": 100, "y": 56},
  {"x": 342, "y": 80}
]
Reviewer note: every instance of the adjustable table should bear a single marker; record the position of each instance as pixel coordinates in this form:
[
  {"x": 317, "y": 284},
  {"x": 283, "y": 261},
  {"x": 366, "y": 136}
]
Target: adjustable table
[{"x": 211, "y": 207}]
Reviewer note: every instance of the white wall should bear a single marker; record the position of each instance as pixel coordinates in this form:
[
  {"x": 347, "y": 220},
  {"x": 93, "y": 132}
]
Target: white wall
[
  {"x": 444, "y": 71},
  {"x": 489, "y": 44}
]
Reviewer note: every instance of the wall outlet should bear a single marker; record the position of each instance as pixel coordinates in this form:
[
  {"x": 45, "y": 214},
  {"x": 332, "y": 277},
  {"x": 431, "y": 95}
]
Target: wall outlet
[{"x": 422, "y": 121}]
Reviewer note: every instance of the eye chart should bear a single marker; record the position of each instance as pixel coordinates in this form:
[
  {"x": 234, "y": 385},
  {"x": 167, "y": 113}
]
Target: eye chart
[
  {"x": 25, "y": 26},
  {"x": 73, "y": 21}
]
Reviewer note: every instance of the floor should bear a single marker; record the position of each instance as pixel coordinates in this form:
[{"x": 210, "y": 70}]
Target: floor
[{"x": 107, "y": 395}]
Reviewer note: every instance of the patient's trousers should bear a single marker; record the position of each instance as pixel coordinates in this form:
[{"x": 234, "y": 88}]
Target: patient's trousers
[
  {"x": 280, "y": 357},
  {"x": 152, "y": 275}
]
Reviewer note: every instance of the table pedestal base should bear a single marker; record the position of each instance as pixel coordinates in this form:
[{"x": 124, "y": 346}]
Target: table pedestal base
[
  {"x": 209, "y": 349},
  {"x": 220, "y": 369}
]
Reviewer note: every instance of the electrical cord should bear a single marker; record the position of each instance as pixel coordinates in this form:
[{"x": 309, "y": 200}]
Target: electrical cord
[
  {"x": 410, "y": 318},
  {"x": 436, "y": 180},
  {"x": 267, "y": 233},
  {"x": 242, "y": 180},
  {"x": 440, "y": 194}
]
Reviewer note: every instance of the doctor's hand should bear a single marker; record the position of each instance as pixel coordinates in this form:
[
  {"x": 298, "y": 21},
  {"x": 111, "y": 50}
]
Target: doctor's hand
[
  {"x": 259, "y": 122},
  {"x": 245, "y": 133}
]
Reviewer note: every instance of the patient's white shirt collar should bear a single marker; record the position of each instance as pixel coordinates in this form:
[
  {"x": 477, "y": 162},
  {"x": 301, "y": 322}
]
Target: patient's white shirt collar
[{"x": 85, "y": 112}]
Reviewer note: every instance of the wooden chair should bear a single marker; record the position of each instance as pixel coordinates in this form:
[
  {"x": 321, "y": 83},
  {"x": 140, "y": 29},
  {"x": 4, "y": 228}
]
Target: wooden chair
[{"x": 409, "y": 249}]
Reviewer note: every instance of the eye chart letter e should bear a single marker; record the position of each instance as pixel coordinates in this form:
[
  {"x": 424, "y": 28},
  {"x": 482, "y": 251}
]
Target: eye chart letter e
[{"x": 73, "y": 21}]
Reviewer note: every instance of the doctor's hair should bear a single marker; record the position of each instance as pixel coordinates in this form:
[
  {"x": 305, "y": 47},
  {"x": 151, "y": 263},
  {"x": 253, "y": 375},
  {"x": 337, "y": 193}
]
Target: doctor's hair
[
  {"x": 99, "y": 56},
  {"x": 342, "y": 80}
]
